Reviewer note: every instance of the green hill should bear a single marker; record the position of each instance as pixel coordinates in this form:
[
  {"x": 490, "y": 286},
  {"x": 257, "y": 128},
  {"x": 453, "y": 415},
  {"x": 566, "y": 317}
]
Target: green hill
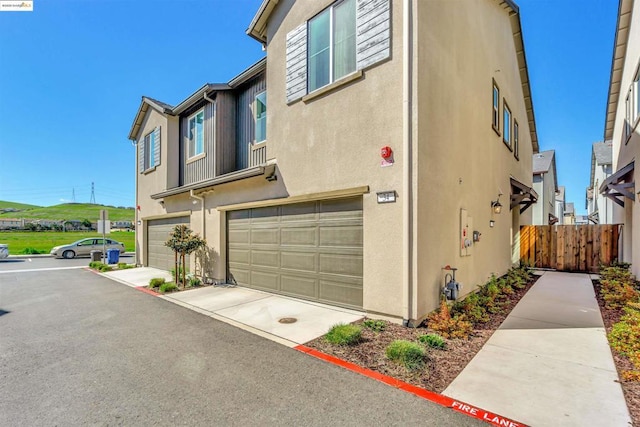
[
  {"x": 5, "y": 205},
  {"x": 71, "y": 211}
]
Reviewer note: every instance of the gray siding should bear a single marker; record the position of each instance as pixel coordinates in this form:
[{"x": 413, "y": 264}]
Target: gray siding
[
  {"x": 225, "y": 131},
  {"x": 203, "y": 168},
  {"x": 245, "y": 121}
]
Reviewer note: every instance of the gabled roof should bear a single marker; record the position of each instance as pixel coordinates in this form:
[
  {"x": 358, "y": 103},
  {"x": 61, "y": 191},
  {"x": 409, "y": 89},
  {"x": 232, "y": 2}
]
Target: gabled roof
[
  {"x": 560, "y": 194},
  {"x": 568, "y": 209},
  {"x": 145, "y": 104},
  {"x": 601, "y": 154},
  {"x": 545, "y": 162},
  {"x": 617, "y": 65}
]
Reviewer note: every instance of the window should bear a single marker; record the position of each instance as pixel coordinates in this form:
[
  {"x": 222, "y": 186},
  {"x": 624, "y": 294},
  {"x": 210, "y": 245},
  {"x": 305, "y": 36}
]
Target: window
[
  {"x": 149, "y": 150},
  {"x": 260, "y": 113},
  {"x": 332, "y": 44},
  {"x": 506, "y": 118},
  {"x": 516, "y": 137},
  {"x": 196, "y": 134},
  {"x": 495, "y": 119}
]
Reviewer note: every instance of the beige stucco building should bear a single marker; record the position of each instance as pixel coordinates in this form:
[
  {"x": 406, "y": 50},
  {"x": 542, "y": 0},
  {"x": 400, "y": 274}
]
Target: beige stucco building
[
  {"x": 621, "y": 126},
  {"x": 388, "y": 146}
]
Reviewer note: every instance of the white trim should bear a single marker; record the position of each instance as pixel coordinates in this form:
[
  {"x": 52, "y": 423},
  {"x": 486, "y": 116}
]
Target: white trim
[{"x": 189, "y": 140}]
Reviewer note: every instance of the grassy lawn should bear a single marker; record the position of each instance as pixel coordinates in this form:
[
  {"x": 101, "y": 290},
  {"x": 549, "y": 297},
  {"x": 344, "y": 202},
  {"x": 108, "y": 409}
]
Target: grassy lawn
[
  {"x": 73, "y": 211},
  {"x": 4, "y": 204},
  {"x": 43, "y": 241}
]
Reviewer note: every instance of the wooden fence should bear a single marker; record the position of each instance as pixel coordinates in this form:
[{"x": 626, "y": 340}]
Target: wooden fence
[{"x": 569, "y": 247}]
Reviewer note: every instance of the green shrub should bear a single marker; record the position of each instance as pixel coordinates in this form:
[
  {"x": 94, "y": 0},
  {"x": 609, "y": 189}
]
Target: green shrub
[
  {"x": 95, "y": 264},
  {"x": 442, "y": 322},
  {"x": 344, "y": 334},
  {"x": 104, "y": 267},
  {"x": 433, "y": 341},
  {"x": 125, "y": 266},
  {"x": 193, "y": 281},
  {"x": 375, "y": 325},
  {"x": 30, "y": 251},
  {"x": 167, "y": 287},
  {"x": 156, "y": 282},
  {"x": 407, "y": 353},
  {"x": 617, "y": 293},
  {"x": 472, "y": 308},
  {"x": 625, "y": 339},
  {"x": 616, "y": 273}
]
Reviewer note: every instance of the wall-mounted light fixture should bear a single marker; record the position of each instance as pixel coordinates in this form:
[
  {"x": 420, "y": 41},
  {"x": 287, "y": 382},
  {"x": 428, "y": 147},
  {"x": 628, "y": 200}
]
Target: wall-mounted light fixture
[
  {"x": 491, "y": 223},
  {"x": 496, "y": 205}
]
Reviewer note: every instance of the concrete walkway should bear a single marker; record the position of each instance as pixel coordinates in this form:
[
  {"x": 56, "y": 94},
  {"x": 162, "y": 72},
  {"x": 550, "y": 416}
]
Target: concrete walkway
[
  {"x": 261, "y": 313},
  {"x": 549, "y": 364}
]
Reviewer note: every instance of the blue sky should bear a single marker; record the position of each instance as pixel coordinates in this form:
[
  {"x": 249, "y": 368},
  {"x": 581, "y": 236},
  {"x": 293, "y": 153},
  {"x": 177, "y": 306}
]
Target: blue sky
[{"x": 72, "y": 73}]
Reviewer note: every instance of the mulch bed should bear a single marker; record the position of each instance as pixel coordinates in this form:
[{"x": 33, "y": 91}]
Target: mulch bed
[
  {"x": 631, "y": 389},
  {"x": 442, "y": 367}
]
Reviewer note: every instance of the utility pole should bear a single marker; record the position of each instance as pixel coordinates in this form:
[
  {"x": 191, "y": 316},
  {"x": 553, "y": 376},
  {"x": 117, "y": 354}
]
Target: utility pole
[{"x": 93, "y": 195}]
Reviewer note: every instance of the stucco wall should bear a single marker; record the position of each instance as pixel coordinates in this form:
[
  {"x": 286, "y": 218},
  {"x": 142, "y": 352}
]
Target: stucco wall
[
  {"x": 624, "y": 152},
  {"x": 462, "y": 162}
]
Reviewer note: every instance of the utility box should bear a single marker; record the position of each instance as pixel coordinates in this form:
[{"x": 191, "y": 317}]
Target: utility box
[{"x": 113, "y": 256}]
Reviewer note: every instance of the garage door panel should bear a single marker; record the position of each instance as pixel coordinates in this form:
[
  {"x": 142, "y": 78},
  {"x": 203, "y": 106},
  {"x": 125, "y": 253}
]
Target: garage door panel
[
  {"x": 310, "y": 250},
  {"x": 158, "y": 232},
  {"x": 341, "y": 293},
  {"x": 267, "y": 236},
  {"x": 349, "y": 236},
  {"x": 241, "y": 237},
  {"x": 349, "y": 265},
  {"x": 265, "y": 258},
  {"x": 299, "y": 285},
  {"x": 299, "y": 236},
  {"x": 265, "y": 280},
  {"x": 300, "y": 261}
]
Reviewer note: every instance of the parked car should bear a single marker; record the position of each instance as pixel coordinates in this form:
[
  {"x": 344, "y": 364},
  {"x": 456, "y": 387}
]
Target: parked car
[
  {"x": 4, "y": 251},
  {"x": 85, "y": 246}
]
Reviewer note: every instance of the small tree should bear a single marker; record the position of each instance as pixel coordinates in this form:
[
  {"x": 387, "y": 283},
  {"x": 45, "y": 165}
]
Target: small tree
[{"x": 183, "y": 242}]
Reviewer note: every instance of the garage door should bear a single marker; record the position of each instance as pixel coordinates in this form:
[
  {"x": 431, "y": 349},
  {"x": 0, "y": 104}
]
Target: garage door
[
  {"x": 310, "y": 250},
  {"x": 158, "y": 255}
]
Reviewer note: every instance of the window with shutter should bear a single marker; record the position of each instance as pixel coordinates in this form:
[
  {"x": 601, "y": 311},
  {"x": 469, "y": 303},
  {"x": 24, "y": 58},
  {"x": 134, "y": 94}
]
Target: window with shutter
[{"x": 150, "y": 150}]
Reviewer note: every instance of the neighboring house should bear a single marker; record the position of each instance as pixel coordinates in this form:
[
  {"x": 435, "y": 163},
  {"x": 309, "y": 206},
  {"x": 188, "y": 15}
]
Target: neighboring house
[
  {"x": 375, "y": 157},
  {"x": 581, "y": 219},
  {"x": 121, "y": 224},
  {"x": 11, "y": 223},
  {"x": 569, "y": 214},
  {"x": 560, "y": 203},
  {"x": 621, "y": 127},
  {"x": 545, "y": 183},
  {"x": 599, "y": 208}
]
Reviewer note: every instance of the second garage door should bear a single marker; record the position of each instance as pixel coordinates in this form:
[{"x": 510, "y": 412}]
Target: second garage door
[
  {"x": 158, "y": 255},
  {"x": 308, "y": 250}
]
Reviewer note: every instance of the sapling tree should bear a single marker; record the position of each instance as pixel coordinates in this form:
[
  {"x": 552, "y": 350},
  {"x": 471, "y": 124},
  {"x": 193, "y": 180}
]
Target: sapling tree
[{"x": 183, "y": 242}]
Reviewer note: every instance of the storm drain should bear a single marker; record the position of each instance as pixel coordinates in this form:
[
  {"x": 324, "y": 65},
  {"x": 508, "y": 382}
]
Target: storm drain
[{"x": 288, "y": 320}]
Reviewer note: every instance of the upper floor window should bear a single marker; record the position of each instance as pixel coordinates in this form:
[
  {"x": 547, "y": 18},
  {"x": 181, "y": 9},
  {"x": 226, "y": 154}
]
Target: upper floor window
[
  {"x": 196, "y": 133},
  {"x": 495, "y": 119},
  {"x": 506, "y": 118},
  {"x": 260, "y": 113},
  {"x": 516, "y": 138},
  {"x": 149, "y": 149},
  {"x": 332, "y": 44}
]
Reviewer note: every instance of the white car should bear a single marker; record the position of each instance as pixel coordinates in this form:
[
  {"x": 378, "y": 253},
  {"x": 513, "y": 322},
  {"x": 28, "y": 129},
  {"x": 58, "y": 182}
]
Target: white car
[
  {"x": 4, "y": 251},
  {"x": 85, "y": 246}
]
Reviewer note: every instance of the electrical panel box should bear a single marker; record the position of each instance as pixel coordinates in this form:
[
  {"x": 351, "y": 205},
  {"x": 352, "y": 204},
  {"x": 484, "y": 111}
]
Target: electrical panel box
[{"x": 466, "y": 236}]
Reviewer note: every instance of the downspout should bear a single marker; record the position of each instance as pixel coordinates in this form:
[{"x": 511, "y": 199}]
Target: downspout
[
  {"x": 139, "y": 228},
  {"x": 407, "y": 205},
  {"x": 201, "y": 199}
]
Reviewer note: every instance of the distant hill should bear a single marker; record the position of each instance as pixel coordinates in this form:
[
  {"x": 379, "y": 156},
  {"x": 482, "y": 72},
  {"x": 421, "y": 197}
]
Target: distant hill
[
  {"x": 71, "y": 211},
  {"x": 12, "y": 205}
]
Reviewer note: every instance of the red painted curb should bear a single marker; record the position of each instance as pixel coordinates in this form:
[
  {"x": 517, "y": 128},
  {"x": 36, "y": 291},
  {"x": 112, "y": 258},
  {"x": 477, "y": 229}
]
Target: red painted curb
[
  {"x": 464, "y": 408},
  {"x": 147, "y": 290}
]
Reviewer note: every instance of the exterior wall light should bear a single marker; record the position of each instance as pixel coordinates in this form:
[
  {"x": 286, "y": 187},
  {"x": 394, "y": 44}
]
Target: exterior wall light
[
  {"x": 496, "y": 205},
  {"x": 491, "y": 223}
]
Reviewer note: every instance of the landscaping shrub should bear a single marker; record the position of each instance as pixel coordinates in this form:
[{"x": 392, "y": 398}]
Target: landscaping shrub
[
  {"x": 617, "y": 293},
  {"x": 616, "y": 273},
  {"x": 193, "y": 281},
  {"x": 167, "y": 287},
  {"x": 433, "y": 341},
  {"x": 97, "y": 265},
  {"x": 344, "y": 334},
  {"x": 472, "y": 308},
  {"x": 30, "y": 251},
  {"x": 375, "y": 325},
  {"x": 519, "y": 277},
  {"x": 124, "y": 266},
  {"x": 94, "y": 264},
  {"x": 407, "y": 353},
  {"x": 625, "y": 339},
  {"x": 442, "y": 322},
  {"x": 156, "y": 282}
]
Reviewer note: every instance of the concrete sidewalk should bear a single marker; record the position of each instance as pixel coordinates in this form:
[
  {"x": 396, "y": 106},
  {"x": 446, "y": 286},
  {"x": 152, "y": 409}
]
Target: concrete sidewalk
[
  {"x": 261, "y": 313},
  {"x": 549, "y": 363}
]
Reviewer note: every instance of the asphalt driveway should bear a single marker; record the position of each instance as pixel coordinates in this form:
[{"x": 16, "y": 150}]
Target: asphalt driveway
[{"x": 77, "y": 349}]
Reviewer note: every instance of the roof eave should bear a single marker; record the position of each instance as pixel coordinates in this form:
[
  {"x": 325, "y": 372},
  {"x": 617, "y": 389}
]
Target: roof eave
[
  {"x": 258, "y": 26},
  {"x": 198, "y": 95},
  {"x": 249, "y": 73},
  {"x": 142, "y": 110}
]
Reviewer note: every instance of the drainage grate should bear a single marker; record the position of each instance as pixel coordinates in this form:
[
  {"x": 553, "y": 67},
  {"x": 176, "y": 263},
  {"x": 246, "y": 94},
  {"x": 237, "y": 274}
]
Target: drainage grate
[{"x": 288, "y": 320}]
